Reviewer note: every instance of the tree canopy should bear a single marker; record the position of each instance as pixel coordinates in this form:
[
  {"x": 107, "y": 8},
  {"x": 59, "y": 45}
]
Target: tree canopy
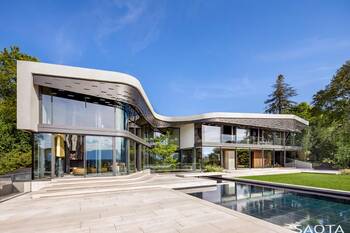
[
  {"x": 15, "y": 147},
  {"x": 279, "y": 100}
]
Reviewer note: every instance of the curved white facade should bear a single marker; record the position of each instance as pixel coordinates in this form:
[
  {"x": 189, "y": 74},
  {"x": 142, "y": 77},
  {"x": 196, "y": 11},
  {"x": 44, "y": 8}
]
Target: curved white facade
[{"x": 48, "y": 74}]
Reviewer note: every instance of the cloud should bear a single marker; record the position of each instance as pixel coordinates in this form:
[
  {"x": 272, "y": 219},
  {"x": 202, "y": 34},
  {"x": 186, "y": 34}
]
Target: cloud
[
  {"x": 140, "y": 20},
  {"x": 305, "y": 48}
]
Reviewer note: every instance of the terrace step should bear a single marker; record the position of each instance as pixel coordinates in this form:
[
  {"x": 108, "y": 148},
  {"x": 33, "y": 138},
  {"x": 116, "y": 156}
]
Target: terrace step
[{"x": 145, "y": 182}]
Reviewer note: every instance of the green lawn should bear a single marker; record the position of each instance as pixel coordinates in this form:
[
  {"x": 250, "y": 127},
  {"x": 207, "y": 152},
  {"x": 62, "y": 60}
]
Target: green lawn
[{"x": 329, "y": 181}]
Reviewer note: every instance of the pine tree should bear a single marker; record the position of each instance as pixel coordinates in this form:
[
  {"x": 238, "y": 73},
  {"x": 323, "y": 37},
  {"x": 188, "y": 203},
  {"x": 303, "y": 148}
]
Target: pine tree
[{"x": 279, "y": 101}]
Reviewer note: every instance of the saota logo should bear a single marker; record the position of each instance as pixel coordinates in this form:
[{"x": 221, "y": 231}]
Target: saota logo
[{"x": 320, "y": 229}]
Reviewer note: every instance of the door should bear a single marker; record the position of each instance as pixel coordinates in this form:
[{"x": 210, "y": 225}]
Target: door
[{"x": 229, "y": 159}]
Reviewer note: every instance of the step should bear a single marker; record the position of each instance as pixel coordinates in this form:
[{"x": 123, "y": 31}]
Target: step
[{"x": 96, "y": 185}]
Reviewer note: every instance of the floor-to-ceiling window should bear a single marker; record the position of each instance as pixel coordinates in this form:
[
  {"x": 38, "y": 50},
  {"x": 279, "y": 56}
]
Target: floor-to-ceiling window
[
  {"x": 121, "y": 151},
  {"x": 211, "y": 134},
  {"x": 42, "y": 155},
  {"x": 268, "y": 158},
  {"x": 211, "y": 156},
  {"x": 186, "y": 159},
  {"x": 243, "y": 158},
  {"x": 99, "y": 155},
  {"x": 242, "y": 135},
  {"x": 63, "y": 108}
]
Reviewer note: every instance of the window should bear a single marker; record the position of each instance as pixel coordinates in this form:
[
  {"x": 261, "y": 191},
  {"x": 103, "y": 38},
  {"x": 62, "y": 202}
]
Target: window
[
  {"x": 42, "y": 155},
  {"x": 229, "y": 134},
  {"x": 242, "y": 135},
  {"x": 211, "y": 133},
  {"x": 211, "y": 156}
]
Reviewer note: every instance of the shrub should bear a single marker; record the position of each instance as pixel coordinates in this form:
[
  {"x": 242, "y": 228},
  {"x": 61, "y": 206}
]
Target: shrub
[
  {"x": 14, "y": 160},
  {"x": 213, "y": 168},
  {"x": 345, "y": 172}
]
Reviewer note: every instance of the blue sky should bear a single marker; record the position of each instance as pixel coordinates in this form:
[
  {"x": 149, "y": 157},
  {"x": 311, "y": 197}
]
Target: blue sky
[{"x": 190, "y": 56}]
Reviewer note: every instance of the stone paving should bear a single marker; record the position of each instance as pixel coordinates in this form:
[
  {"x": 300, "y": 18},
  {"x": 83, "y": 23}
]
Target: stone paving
[{"x": 146, "y": 210}]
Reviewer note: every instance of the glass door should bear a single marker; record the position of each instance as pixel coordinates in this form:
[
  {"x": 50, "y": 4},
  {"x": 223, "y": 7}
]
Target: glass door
[{"x": 99, "y": 155}]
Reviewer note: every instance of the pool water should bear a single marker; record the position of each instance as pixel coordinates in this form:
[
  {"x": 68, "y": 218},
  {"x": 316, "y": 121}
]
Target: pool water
[{"x": 278, "y": 206}]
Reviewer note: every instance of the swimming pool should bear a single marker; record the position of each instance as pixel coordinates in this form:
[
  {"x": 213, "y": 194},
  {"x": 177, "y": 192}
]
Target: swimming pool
[{"x": 278, "y": 206}]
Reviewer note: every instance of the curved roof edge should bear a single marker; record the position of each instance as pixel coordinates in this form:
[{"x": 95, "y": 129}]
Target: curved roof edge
[{"x": 118, "y": 77}]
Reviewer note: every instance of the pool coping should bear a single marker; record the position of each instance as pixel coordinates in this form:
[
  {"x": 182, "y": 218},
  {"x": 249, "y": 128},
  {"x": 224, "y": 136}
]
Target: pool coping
[{"x": 291, "y": 187}]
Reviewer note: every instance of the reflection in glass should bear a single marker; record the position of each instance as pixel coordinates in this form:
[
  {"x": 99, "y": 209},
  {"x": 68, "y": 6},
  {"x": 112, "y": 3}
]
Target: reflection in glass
[
  {"x": 46, "y": 109},
  {"x": 132, "y": 156},
  {"x": 280, "y": 207},
  {"x": 42, "y": 155},
  {"x": 229, "y": 134},
  {"x": 186, "y": 158},
  {"x": 121, "y": 119},
  {"x": 211, "y": 156},
  {"x": 242, "y": 135},
  {"x": 121, "y": 155},
  {"x": 267, "y": 158},
  {"x": 211, "y": 133},
  {"x": 243, "y": 158},
  {"x": 99, "y": 155}
]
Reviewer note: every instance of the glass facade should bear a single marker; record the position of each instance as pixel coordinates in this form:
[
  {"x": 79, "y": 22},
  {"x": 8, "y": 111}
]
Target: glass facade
[
  {"x": 82, "y": 155},
  {"x": 99, "y": 155},
  {"x": 121, "y": 151},
  {"x": 211, "y": 156},
  {"x": 211, "y": 133},
  {"x": 58, "y": 154},
  {"x": 242, "y": 135},
  {"x": 60, "y": 108},
  {"x": 42, "y": 156}
]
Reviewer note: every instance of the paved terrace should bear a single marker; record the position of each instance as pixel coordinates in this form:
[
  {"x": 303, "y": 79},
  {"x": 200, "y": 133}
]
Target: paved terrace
[{"x": 136, "y": 204}]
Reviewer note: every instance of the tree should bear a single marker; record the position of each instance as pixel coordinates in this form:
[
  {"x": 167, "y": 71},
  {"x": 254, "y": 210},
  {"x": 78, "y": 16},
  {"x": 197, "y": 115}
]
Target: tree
[
  {"x": 13, "y": 142},
  {"x": 165, "y": 148},
  {"x": 279, "y": 101},
  {"x": 331, "y": 123}
]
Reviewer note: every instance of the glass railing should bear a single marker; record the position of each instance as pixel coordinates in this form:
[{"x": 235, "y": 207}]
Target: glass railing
[
  {"x": 228, "y": 138},
  {"x": 266, "y": 141}
]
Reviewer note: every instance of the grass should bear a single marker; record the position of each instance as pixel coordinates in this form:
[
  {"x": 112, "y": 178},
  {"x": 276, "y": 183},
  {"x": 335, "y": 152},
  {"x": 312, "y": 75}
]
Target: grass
[{"x": 328, "y": 181}]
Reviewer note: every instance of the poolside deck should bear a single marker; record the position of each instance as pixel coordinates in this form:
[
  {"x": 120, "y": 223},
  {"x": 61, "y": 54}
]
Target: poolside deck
[{"x": 145, "y": 209}]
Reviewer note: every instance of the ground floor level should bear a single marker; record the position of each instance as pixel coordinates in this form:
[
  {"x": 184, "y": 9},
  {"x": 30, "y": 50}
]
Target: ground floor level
[
  {"x": 58, "y": 155},
  {"x": 237, "y": 158}
]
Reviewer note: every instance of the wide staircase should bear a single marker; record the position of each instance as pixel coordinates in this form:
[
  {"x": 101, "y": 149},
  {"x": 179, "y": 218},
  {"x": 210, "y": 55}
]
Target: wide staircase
[
  {"x": 94, "y": 185},
  {"x": 78, "y": 186}
]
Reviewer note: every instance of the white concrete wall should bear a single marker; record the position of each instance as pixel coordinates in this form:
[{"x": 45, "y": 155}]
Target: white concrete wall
[
  {"x": 186, "y": 136},
  {"x": 27, "y": 99}
]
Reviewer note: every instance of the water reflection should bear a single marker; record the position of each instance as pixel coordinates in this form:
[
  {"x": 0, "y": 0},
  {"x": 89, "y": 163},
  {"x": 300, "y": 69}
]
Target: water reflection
[{"x": 280, "y": 207}]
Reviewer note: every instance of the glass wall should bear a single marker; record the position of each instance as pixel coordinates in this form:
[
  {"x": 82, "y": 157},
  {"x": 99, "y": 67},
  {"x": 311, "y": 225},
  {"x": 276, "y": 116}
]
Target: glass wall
[
  {"x": 121, "y": 154},
  {"x": 268, "y": 158},
  {"x": 242, "y": 135},
  {"x": 64, "y": 108},
  {"x": 42, "y": 155},
  {"x": 278, "y": 138},
  {"x": 228, "y": 134},
  {"x": 211, "y": 133},
  {"x": 243, "y": 158},
  {"x": 267, "y": 137},
  {"x": 132, "y": 156},
  {"x": 211, "y": 156},
  {"x": 99, "y": 155},
  {"x": 186, "y": 158}
]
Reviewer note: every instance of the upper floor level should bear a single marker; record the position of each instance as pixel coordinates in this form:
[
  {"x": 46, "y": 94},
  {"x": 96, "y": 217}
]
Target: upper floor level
[{"x": 56, "y": 98}]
